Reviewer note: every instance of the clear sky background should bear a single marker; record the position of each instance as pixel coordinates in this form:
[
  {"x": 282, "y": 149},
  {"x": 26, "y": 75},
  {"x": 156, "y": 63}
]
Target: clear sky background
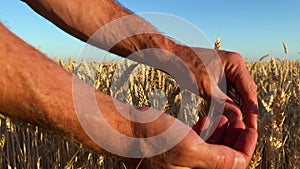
[{"x": 253, "y": 28}]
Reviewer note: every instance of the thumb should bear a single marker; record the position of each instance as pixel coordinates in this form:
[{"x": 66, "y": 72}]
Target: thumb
[{"x": 219, "y": 156}]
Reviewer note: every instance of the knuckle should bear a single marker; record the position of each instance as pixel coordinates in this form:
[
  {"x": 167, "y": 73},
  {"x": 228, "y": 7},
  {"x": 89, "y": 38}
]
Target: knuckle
[
  {"x": 236, "y": 57},
  {"x": 235, "y": 54},
  {"x": 233, "y": 60}
]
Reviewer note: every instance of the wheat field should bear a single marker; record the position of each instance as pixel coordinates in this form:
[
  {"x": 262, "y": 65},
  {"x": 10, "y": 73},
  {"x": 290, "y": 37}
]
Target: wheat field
[{"x": 25, "y": 146}]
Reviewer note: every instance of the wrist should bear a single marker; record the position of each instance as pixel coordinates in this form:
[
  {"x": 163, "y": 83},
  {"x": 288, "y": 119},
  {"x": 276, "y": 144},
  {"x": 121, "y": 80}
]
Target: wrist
[
  {"x": 152, "y": 128},
  {"x": 115, "y": 114}
]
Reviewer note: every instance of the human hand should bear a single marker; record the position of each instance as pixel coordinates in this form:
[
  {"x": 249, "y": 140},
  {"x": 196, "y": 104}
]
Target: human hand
[
  {"x": 212, "y": 69},
  {"x": 228, "y": 147}
]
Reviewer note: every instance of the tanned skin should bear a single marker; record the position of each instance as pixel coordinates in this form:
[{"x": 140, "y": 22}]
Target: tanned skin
[{"x": 30, "y": 92}]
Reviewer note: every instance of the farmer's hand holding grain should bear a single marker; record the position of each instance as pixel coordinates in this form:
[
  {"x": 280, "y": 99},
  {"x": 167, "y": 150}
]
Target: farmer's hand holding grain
[{"x": 35, "y": 89}]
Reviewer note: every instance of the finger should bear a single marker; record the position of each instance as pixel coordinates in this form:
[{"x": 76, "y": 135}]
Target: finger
[
  {"x": 231, "y": 110},
  {"x": 246, "y": 143},
  {"x": 201, "y": 125},
  {"x": 200, "y": 154},
  {"x": 233, "y": 131},
  {"x": 236, "y": 71},
  {"x": 217, "y": 136},
  {"x": 219, "y": 156},
  {"x": 211, "y": 91},
  {"x": 247, "y": 90},
  {"x": 222, "y": 103}
]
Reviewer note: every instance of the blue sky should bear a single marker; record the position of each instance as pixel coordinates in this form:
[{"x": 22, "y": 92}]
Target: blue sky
[{"x": 252, "y": 28}]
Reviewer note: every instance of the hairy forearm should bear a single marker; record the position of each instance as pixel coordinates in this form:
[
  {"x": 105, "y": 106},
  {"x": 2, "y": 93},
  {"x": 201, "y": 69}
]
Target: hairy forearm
[
  {"x": 36, "y": 90},
  {"x": 83, "y": 18},
  {"x": 122, "y": 33}
]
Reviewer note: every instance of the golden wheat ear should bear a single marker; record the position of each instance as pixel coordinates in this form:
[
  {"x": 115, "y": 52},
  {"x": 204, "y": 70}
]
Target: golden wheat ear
[
  {"x": 218, "y": 44},
  {"x": 286, "y": 50}
]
